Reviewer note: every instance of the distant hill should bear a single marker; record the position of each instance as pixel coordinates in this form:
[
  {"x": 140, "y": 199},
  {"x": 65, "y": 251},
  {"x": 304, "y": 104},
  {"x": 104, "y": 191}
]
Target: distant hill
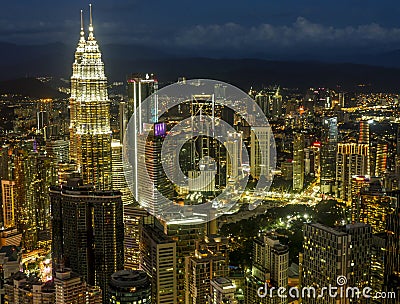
[
  {"x": 120, "y": 60},
  {"x": 29, "y": 87}
]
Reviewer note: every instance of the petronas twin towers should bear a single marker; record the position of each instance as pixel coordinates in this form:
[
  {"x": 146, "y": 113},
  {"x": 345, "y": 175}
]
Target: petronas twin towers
[{"x": 90, "y": 132}]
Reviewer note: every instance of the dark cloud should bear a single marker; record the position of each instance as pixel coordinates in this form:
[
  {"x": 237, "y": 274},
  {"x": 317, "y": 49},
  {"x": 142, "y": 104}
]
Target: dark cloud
[{"x": 302, "y": 33}]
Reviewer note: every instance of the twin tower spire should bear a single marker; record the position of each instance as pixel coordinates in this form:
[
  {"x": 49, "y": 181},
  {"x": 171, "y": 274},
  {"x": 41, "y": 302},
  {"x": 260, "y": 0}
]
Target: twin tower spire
[{"x": 91, "y": 35}]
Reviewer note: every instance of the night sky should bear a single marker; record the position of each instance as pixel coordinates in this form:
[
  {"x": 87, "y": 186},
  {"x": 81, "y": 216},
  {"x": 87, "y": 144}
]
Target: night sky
[{"x": 213, "y": 27}]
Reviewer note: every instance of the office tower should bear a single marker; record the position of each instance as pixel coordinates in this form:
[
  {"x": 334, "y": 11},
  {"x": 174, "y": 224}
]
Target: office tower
[
  {"x": 371, "y": 205},
  {"x": 90, "y": 132},
  {"x": 71, "y": 288},
  {"x": 260, "y": 154},
  {"x": 151, "y": 196},
  {"x": 8, "y": 192},
  {"x": 21, "y": 289},
  {"x": 222, "y": 290},
  {"x": 352, "y": 160},
  {"x": 329, "y": 253},
  {"x": 120, "y": 172},
  {"x": 234, "y": 143},
  {"x": 381, "y": 159},
  {"x": 158, "y": 260},
  {"x": 328, "y": 155},
  {"x": 129, "y": 286},
  {"x": 139, "y": 88},
  {"x": 87, "y": 231},
  {"x": 270, "y": 262},
  {"x": 298, "y": 162},
  {"x": 133, "y": 214}
]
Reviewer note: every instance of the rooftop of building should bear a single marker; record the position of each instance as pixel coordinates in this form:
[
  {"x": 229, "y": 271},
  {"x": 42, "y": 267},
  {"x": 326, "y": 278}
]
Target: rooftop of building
[
  {"x": 75, "y": 186},
  {"x": 327, "y": 229},
  {"x": 129, "y": 279},
  {"x": 223, "y": 281},
  {"x": 157, "y": 234}
]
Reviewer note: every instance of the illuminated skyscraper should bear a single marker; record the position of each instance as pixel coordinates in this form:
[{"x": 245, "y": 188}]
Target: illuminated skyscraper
[
  {"x": 260, "y": 152},
  {"x": 381, "y": 159},
  {"x": 372, "y": 206},
  {"x": 298, "y": 162},
  {"x": 233, "y": 162},
  {"x": 8, "y": 192},
  {"x": 149, "y": 153},
  {"x": 363, "y": 133},
  {"x": 328, "y": 154},
  {"x": 352, "y": 160},
  {"x": 139, "y": 88},
  {"x": 90, "y": 133}
]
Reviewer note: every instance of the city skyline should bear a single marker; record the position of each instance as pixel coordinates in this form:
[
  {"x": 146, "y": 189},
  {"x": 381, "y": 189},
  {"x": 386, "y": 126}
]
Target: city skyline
[{"x": 149, "y": 190}]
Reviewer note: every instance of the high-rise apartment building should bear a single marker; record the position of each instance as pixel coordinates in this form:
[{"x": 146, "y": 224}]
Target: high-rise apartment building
[
  {"x": 270, "y": 262},
  {"x": 90, "y": 132},
  {"x": 200, "y": 270},
  {"x": 20, "y": 289},
  {"x": 329, "y": 253},
  {"x": 71, "y": 288}
]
